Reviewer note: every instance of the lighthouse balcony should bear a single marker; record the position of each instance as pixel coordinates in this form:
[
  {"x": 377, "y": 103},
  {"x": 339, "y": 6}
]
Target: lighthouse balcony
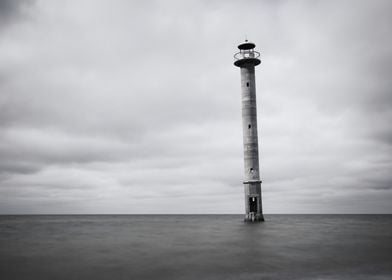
[{"x": 247, "y": 57}]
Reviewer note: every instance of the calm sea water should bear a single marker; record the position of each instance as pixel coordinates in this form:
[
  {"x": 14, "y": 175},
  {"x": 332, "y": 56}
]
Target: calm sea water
[{"x": 196, "y": 247}]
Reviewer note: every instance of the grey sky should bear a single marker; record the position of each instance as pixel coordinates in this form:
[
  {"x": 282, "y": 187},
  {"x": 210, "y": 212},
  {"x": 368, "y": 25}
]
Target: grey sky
[{"x": 134, "y": 106}]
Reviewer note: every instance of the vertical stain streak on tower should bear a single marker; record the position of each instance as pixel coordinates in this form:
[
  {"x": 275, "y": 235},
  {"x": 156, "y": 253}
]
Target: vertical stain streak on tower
[{"x": 247, "y": 59}]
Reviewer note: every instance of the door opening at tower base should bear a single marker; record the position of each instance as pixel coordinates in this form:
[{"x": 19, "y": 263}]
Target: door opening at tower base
[{"x": 253, "y": 204}]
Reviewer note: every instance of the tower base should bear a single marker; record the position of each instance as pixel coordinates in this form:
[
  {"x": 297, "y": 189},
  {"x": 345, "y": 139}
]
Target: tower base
[{"x": 253, "y": 218}]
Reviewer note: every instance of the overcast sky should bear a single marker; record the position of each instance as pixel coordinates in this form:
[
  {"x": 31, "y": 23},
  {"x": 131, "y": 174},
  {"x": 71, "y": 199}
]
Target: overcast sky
[{"x": 134, "y": 106}]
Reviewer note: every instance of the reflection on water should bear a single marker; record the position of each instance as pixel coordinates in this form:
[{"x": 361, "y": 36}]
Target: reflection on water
[{"x": 196, "y": 247}]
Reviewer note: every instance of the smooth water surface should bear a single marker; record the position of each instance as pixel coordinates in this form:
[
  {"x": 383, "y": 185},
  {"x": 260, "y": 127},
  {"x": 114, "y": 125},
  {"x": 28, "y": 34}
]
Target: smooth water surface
[{"x": 195, "y": 247}]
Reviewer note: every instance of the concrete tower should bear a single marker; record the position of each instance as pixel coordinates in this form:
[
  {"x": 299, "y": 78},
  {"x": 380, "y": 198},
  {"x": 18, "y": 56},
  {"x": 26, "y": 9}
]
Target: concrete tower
[{"x": 247, "y": 58}]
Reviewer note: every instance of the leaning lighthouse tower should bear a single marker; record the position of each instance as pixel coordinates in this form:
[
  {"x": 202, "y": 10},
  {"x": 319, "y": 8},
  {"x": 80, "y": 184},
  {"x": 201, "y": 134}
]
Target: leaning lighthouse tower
[{"x": 246, "y": 59}]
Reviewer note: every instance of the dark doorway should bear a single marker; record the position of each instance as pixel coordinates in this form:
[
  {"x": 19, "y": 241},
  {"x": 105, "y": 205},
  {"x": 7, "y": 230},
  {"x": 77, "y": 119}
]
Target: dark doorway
[{"x": 253, "y": 204}]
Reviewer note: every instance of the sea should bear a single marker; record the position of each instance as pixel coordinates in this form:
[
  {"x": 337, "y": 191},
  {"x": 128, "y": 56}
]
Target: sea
[{"x": 195, "y": 247}]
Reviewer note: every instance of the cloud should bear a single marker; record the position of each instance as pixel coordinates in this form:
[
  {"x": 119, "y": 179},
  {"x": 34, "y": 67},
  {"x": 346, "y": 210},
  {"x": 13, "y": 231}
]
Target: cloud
[
  {"x": 10, "y": 10},
  {"x": 129, "y": 107}
]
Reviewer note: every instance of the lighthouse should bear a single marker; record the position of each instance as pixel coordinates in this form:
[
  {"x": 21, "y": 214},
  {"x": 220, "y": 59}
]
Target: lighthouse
[{"x": 246, "y": 59}]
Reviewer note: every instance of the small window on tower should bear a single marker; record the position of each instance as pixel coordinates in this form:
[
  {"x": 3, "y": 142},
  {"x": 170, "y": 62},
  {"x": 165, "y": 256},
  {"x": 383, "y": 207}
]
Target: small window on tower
[
  {"x": 249, "y": 126},
  {"x": 251, "y": 170},
  {"x": 247, "y": 84}
]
